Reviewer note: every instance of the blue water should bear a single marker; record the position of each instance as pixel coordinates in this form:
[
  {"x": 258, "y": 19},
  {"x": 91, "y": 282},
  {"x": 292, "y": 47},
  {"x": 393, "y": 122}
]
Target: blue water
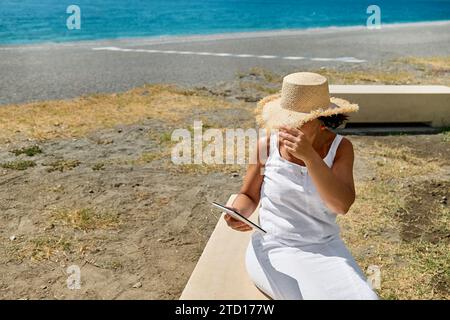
[{"x": 28, "y": 21}]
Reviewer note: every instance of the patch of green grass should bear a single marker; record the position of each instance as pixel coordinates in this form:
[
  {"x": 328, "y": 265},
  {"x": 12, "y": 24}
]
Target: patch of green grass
[
  {"x": 62, "y": 165},
  {"x": 18, "y": 165},
  {"x": 29, "y": 151},
  {"x": 162, "y": 139},
  {"x": 445, "y": 132},
  {"x": 147, "y": 157},
  {"x": 165, "y": 137},
  {"x": 86, "y": 219}
]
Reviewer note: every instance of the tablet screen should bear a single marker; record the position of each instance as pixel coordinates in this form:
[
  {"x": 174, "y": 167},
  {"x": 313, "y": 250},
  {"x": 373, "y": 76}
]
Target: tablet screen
[{"x": 239, "y": 217}]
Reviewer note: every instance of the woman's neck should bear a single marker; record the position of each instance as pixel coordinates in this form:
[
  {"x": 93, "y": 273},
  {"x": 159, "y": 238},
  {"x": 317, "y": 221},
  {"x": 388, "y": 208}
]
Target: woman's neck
[{"x": 322, "y": 140}]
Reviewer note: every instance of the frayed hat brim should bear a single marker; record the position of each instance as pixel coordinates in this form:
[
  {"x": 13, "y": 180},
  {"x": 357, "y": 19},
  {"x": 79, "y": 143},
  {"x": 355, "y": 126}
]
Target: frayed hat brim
[{"x": 270, "y": 114}]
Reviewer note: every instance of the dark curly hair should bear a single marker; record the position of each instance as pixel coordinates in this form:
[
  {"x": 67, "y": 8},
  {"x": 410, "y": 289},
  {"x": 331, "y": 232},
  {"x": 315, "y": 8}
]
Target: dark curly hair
[{"x": 334, "y": 121}]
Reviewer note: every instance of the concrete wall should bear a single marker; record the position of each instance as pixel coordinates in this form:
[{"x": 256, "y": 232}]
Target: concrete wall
[{"x": 392, "y": 103}]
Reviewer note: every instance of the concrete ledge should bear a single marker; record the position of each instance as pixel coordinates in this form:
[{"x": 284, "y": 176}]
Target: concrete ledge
[
  {"x": 220, "y": 272},
  {"x": 397, "y": 103}
]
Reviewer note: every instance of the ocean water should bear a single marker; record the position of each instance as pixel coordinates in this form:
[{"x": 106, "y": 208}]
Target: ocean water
[{"x": 31, "y": 21}]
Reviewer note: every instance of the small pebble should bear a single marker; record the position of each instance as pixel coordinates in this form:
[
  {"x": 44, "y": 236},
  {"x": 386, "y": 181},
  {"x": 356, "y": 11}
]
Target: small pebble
[
  {"x": 12, "y": 238},
  {"x": 137, "y": 285}
]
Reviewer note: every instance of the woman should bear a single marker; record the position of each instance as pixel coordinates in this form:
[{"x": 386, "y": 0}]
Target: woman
[{"x": 305, "y": 183}]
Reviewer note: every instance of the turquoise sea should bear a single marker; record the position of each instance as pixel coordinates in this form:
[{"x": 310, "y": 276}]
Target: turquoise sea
[{"x": 31, "y": 21}]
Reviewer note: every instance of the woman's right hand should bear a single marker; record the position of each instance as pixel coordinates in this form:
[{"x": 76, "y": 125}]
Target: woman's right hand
[{"x": 236, "y": 224}]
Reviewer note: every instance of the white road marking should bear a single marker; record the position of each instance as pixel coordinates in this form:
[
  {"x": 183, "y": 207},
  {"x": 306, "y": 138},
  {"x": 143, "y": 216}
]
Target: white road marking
[
  {"x": 321, "y": 59},
  {"x": 244, "y": 55},
  {"x": 294, "y": 58},
  {"x": 222, "y": 54},
  {"x": 267, "y": 57}
]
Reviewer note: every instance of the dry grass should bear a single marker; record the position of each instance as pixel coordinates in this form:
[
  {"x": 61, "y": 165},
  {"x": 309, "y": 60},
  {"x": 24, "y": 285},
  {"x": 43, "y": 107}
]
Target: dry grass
[
  {"x": 408, "y": 70},
  {"x": 41, "y": 248},
  {"x": 400, "y": 223},
  {"x": 147, "y": 157},
  {"x": 258, "y": 87},
  {"x": 205, "y": 169},
  {"x": 86, "y": 219},
  {"x": 367, "y": 77},
  {"x": 266, "y": 75},
  {"x": 99, "y": 166},
  {"x": 62, "y": 165},
  {"x": 77, "y": 117},
  {"x": 29, "y": 151},
  {"x": 56, "y": 244},
  {"x": 18, "y": 165},
  {"x": 401, "y": 162},
  {"x": 436, "y": 64}
]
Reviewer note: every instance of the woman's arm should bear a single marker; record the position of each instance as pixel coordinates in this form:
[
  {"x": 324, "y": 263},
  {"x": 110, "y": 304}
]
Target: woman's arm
[
  {"x": 248, "y": 198},
  {"x": 335, "y": 185}
]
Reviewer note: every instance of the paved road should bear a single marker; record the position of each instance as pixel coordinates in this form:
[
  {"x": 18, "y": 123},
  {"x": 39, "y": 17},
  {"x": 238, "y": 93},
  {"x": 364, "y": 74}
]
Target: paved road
[{"x": 49, "y": 71}]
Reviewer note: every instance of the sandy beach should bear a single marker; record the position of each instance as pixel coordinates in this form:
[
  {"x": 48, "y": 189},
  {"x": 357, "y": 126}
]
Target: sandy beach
[{"x": 67, "y": 70}]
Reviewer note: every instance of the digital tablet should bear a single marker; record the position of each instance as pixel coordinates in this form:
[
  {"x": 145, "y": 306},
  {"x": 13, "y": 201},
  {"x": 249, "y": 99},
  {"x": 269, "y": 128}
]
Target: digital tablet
[{"x": 239, "y": 217}]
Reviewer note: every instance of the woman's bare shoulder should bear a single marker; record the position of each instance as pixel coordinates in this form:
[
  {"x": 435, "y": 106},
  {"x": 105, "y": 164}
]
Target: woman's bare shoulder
[{"x": 345, "y": 149}]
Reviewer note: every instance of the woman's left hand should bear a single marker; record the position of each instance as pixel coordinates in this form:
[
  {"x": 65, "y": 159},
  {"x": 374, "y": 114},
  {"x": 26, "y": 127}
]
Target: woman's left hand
[{"x": 296, "y": 143}]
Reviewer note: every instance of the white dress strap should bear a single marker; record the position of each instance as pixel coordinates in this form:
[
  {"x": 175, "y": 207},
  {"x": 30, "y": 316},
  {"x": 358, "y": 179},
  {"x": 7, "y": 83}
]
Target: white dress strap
[
  {"x": 332, "y": 152},
  {"x": 273, "y": 143}
]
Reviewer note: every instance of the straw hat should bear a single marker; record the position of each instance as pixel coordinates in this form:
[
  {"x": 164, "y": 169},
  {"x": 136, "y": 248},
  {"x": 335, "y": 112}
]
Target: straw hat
[{"x": 304, "y": 96}]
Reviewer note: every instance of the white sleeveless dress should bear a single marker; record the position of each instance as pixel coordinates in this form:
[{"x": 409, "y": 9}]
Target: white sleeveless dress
[{"x": 302, "y": 255}]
